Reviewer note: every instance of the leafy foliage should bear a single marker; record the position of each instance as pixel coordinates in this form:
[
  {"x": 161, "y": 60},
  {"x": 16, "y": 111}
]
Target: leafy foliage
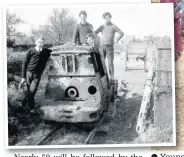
[{"x": 11, "y": 21}]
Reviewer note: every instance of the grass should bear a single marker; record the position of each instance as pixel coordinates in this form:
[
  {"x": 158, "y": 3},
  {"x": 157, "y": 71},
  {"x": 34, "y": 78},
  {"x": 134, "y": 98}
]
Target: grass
[
  {"x": 14, "y": 62},
  {"x": 154, "y": 134},
  {"x": 20, "y": 121}
]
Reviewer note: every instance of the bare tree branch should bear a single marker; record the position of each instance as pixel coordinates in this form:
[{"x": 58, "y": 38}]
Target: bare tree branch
[
  {"x": 58, "y": 29},
  {"x": 60, "y": 25}
]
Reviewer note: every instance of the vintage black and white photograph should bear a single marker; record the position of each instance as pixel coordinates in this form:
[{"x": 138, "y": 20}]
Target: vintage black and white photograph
[{"x": 89, "y": 75}]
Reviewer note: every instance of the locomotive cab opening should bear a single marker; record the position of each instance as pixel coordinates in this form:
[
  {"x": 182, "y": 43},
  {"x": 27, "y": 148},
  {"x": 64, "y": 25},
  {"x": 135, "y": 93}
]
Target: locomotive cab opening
[{"x": 78, "y": 86}]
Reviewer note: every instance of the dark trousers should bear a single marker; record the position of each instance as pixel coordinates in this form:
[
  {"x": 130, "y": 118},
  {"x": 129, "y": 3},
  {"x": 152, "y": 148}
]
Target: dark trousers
[
  {"x": 108, "y": 51},
  {"x": 33, "y": 81}
]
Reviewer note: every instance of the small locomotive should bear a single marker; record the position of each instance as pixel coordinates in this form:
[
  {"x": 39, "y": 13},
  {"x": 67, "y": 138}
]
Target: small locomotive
[{"x": 78, "y": 87}]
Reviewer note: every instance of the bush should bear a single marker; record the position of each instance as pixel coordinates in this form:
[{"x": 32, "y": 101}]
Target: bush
[
  {"x": 20, "y": 121},
  {"x": 14, "y": 62}
]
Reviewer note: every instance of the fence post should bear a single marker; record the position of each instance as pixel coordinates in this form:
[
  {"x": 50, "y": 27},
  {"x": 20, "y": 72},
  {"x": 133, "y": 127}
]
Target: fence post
[{"x": 162, "y": 92}]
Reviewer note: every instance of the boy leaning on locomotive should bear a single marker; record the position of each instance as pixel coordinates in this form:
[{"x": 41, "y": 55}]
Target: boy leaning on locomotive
[
  {"x": 32, "y": 69},
  {"x": 37, "y": 57}
]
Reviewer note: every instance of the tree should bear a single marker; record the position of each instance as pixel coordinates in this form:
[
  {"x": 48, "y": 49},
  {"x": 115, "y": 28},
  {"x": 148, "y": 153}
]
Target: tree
[
  {"x": 60, "y": 26},
  {"x": 11, "y": 21},
  {"x": 23, "y": 40},
  {"x": 37, "y": 32}
]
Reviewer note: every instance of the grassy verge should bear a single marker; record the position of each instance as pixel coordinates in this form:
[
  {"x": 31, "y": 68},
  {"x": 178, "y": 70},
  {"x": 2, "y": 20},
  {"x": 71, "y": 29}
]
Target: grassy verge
[{"x": 154, "y": 135}]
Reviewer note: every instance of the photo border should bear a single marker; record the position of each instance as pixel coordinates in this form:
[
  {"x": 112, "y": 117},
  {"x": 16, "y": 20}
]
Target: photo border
[{"x": 95, "y": 145}]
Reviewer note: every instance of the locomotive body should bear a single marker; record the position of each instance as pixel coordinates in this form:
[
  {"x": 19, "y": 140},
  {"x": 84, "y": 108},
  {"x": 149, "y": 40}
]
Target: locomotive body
[{"x": 78, "y": 87}]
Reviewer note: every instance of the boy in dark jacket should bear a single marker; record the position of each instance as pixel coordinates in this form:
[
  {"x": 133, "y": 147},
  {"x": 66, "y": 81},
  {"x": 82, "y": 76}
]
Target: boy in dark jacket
[{"x": 33, "y": 67}]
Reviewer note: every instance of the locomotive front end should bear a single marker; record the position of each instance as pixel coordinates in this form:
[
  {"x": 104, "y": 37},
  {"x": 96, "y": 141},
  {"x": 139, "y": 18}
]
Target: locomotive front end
[{"x": 73, "y": 91}]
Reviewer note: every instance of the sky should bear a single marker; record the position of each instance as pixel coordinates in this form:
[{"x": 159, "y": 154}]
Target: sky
[{"x": 138, "y": 20}]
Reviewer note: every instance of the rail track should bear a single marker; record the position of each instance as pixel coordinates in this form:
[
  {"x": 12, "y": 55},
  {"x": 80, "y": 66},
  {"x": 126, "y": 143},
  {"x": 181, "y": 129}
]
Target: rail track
[{"x": 63, "y": 131}]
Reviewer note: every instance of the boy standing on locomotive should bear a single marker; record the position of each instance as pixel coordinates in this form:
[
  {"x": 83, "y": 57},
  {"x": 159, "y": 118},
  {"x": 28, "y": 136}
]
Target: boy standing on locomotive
[
  {"x": 81, "y": 30},
  {"x": 33, "y": 67},
  {"x": 108, "y": 31}
]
